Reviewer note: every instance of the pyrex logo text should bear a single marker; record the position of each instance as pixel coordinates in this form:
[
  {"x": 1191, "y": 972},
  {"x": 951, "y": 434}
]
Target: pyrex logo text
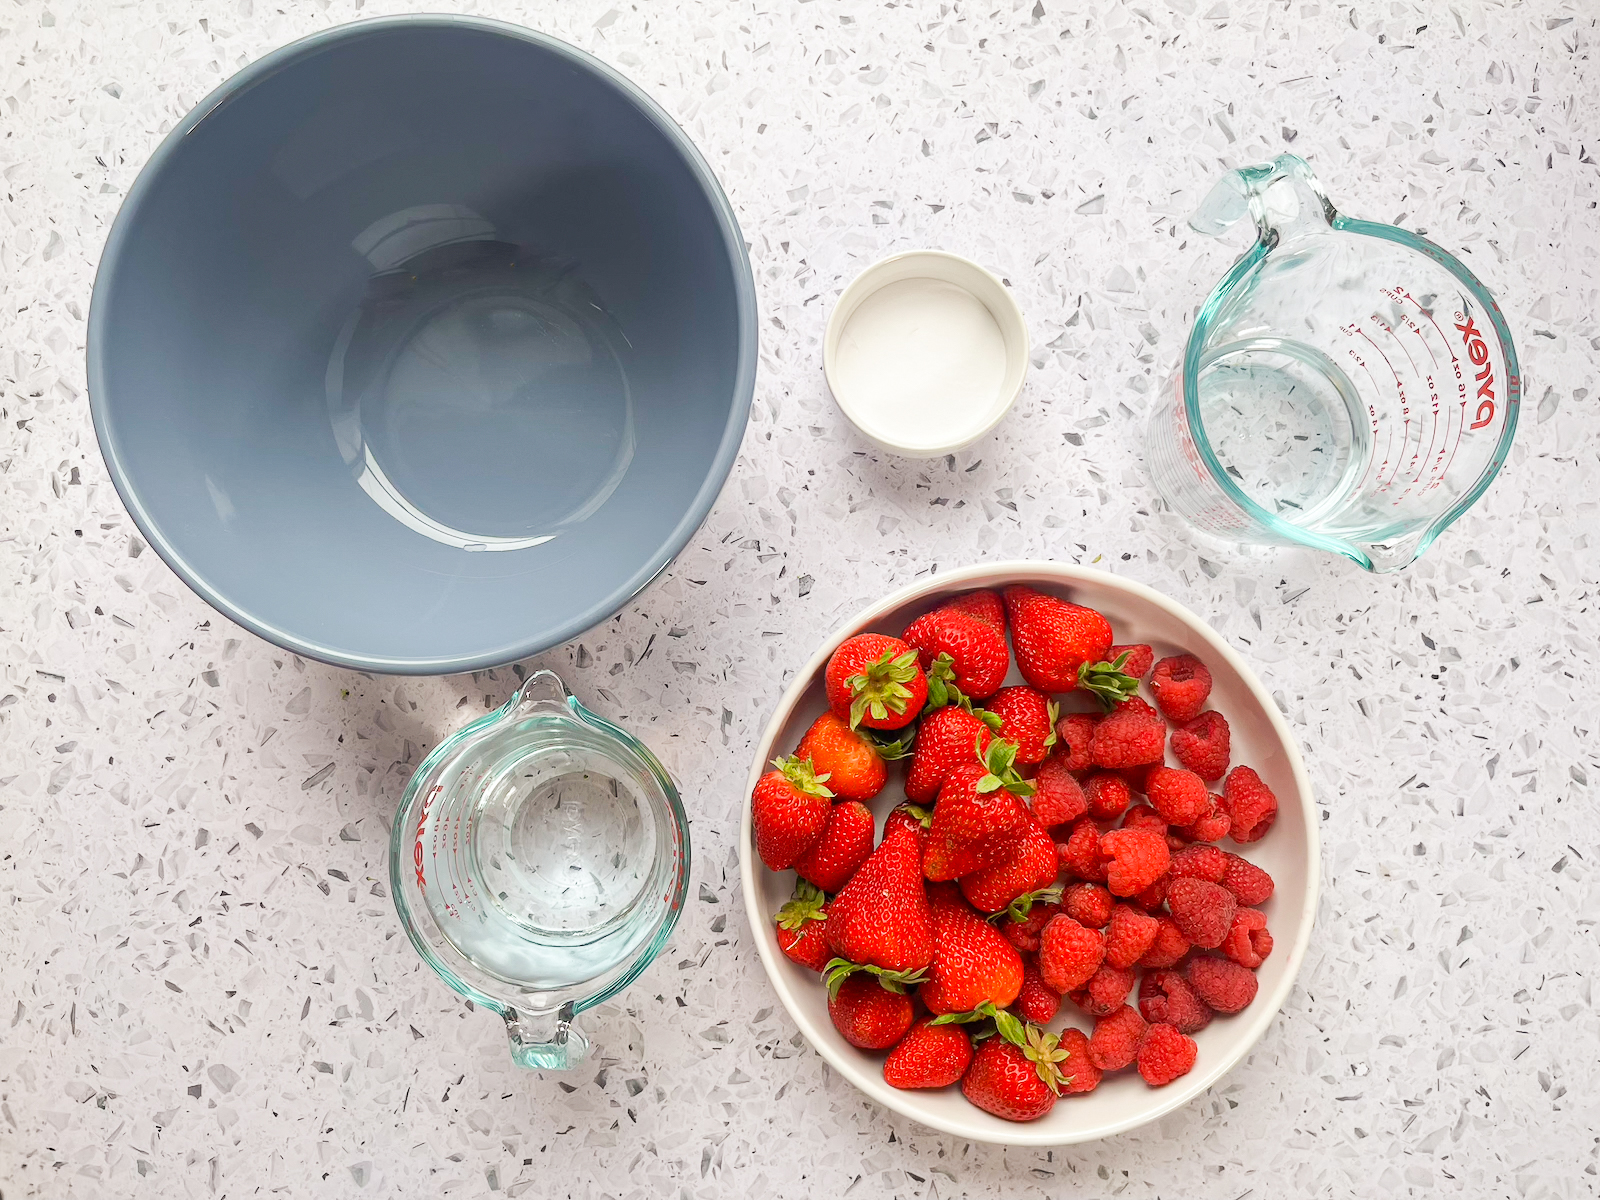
[
  {"x": 422, "y": 819},
  {"x": 1478, "y": 352}
]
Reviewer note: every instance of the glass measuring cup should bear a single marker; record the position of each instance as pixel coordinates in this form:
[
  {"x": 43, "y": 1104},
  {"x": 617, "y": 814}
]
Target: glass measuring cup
[
  {"x": 1348, "y": 385},
  {"x": 539, "y": 860}
]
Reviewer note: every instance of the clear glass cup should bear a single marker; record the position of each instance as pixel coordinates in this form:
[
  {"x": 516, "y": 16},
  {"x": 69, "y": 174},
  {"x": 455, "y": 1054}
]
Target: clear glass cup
[
  {"x": 539, "y": 860},
  {"x": 1348, "y": 385}
]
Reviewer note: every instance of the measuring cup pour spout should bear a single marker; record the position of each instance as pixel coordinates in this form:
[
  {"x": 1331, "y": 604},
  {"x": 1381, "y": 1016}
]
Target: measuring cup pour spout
[{"x": 1347, "y": 385}]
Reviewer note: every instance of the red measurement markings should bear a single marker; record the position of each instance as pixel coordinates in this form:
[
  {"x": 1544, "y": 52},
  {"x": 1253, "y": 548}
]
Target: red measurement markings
[
  {"x": 1372, "y": 412},
  {"x": 1461, "y": 386},
  {"x": 1404, "y": 408},
  {"x": 1431, "y": 379},
  {"x": 1405, "y": 405}
]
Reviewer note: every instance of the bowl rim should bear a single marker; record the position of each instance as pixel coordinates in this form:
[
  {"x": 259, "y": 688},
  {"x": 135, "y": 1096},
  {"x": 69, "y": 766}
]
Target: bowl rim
[
  {"x": 1262, "y": 1012},
  {"x": 264, "y": 67}
]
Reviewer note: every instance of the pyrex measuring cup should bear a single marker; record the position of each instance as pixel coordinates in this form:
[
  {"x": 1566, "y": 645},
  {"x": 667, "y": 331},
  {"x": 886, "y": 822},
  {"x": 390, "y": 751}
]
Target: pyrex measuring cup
[
  {"x": 539, "y": 860},
  {"x": 1347, "y": 386}
]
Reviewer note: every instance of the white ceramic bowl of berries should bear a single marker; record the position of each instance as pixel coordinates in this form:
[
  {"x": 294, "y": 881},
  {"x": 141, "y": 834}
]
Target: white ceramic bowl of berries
[{"x": 1030, "y": 854}]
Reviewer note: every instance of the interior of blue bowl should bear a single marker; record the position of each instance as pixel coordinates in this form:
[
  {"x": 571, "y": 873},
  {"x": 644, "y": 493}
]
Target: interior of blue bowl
[{"x": 422, "y": 345}]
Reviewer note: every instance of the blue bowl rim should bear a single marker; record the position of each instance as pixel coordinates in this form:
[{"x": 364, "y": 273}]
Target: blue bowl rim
[{"x": 727, "y": 450}]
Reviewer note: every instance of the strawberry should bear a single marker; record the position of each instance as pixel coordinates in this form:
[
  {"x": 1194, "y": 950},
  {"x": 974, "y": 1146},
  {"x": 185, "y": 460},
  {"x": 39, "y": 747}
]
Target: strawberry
[
  {"x": 1140, "y": 658},
  {"x": 1202, "y": 745},
  {"x": 853, "y": 766},
  {"x": 844, "y": 845},
  {"x": 945, "y": 737},
  {"x": 1133, "y": 735},
  {"x": 1029, "y": 870},
  {"x": 880, "y": 918},
  {"x": 985, "y": 605},
  {"x": 1074, "y": 735},
  {"x": 1057, "y": 796},
  {"x": 959, "y": 652},
  {"x": 977, "y": 817},
  {"x": 869, "y": 1015},
  {"x": 875, "y": 680},
  {"x": 1181, "y": 684},
  {"x": 1054, "y": 638},
  {"x": 929, "y": 1056},
  {"x": 1020, "y": 1079},
  {"x": 802, "y": 932},
  {"x": 789, "y": 808},
  {"x": 1028, "y": 718},
  {"x": 972, "y": 964},
  {"x": 911, "y": 817}
]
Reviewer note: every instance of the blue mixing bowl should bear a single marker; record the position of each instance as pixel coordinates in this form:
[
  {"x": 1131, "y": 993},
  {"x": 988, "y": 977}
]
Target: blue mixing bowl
[{"x": 422, "y": 344}]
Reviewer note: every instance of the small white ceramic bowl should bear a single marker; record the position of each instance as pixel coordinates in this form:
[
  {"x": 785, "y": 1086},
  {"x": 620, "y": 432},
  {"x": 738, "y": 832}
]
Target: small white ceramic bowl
[
  {"x": 1260, "y": 739},
  {"x": 896, "y": 372}
]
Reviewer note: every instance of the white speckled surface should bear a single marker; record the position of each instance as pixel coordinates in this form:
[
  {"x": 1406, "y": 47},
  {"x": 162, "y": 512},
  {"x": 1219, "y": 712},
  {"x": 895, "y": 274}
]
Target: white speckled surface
[{"x": 205, "y": 991}]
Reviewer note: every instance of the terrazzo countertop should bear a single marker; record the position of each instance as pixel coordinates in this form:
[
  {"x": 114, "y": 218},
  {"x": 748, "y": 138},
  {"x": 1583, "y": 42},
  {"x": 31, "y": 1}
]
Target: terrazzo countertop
[{"x": 205, "y": 990}]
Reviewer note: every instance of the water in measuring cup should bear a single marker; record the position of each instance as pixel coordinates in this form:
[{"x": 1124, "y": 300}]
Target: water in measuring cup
[{"x": 542, "y": 865}]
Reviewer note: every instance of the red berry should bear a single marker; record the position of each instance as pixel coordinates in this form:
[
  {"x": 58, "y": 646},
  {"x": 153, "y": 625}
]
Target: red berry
[
  {"x": 1078, "y": 1072},
  {"x": 973, "y": 829},
  {"x": 1130, "y": 933},
  {"x": 1248, "y": 943},
  {"x": 1069, "y": 954},
  {"x": 1142, "y": 816},
  {"x": 1139, "y": 857},
  {"x": 1116, "y": 1038},
  {"x": 1053, "y": 638},
  {"x": 1223, "y": 985},
  {"x": 881, "y": 916},
  {"x": 1204, "y": 911},
  {"x": 1201, "y": 862},
  {"x": 1165, "y": 1054},
  {"x": 1130, "y": 737},
  {"x": 849, "y": 763},
  {"x": 986, "y": 605},
  {"x": 975, "y": 659},
  {"x": 909, "y": 817},
  {"x": 1057, "y": 797},
  {"x": 1248, "y": 882},
  {"x": 1202, "y": 745},
  {"x": 1074, "y": 735},
  {"x": 1166, "y": 996},
  {"x": 946, "y": 738},
  {"x": 876, "y": 681},
  {"x": 1106, "y": 795},
  {"x": 845, "y": 844},
  {"x": 1211, "y": 827},
  {"x": 1140, "y": 659},
  {"x": 1105, "y": 990},
  {"x": 1154, "y": 896},
  {"x": 1169, "y": 947},
  {"x": 1080, "y": 854},
  {"x": 1027, "y": 718},
  {"x": 929, "y": 1056},
  {"x": 1250, "y": 803},
  {"x": 1032, "y": 866},
  {"x": 1089, "y": 904},
  {"x": 1037, "y": 1001},
  {"x": 1004, "y": 1081},
  {"x": 1024, "y": 934},
  {"x": 972, "y": 964},
  {"x": 1180, "y": 684},
  {"x": 789, "y": 809},
  {"x": 1178, "y": 795},
  {"x": 868, "y": 1014}
]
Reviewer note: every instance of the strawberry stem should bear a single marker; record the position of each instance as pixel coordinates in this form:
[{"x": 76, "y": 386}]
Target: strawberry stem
[
  {"x": 803, "y": 776},
  {"x": 1000, "y": 763},
  {"x": 942, "y": 688},
  {"x": 840, "y": 969},
  {"x": 891, "y": 748},
  {"x": 1107, "y": 682},
  {"x": 805, "y": 906},
  {"x": 881, "y": 688},
  {"x": 1019, "y": 908}
]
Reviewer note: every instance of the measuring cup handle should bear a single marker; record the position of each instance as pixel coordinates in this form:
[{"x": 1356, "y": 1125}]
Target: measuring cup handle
[
  {"x": 566, "y": 1047},
  {"x": 1281, "y": 197}
]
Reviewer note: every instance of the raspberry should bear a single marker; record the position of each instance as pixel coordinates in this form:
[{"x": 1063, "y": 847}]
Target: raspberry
[
  {"x": 1074, "y": 733},
  {"x": 1137, "y": 778},
  {"x": 1089, "y": 904},
  {"x": 1142, "y": 816},
  {"x": 1069, "y": 954},
  {"x": 1202, "y": 745},
  {"x": 1057, "y": 798},
  {"x": 1140, "y": 659},
  {"x": 1129, "y": 737},
  {"x": 1106, "y": 795},
  {"x": 1037, "y": 1001},
  {"x": 1178, "y": 795},
  {"x": 1116, "y": 1038},
  {"x": 1224, "y": 985},
  {"x": 1167, "y": 996},
  {"x": 1078, "y": 1072},
  {"x": 1181, "y": 684},
  {"x": 1248, "y": 882},
  {"x": 1154, "y": 896},
  {"x": 1212, "y": 827},
  {"x": 1129, "y": 935},
  {"x": 1107, "y": 988},
  {"x": 1204, "y": 911},
  {"x": 1139, "y": 858},
  {"x": 1165, "y": 1054},
  {"x": 1169, "y": 947},
  {"x": 1201, "y": 862},
  {"x": 1248, "y": 943},
  {"x": 1080, "y": 854},
  {"x": 1024, "y": 934},
  {"x": 1250, "y": 803}
]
